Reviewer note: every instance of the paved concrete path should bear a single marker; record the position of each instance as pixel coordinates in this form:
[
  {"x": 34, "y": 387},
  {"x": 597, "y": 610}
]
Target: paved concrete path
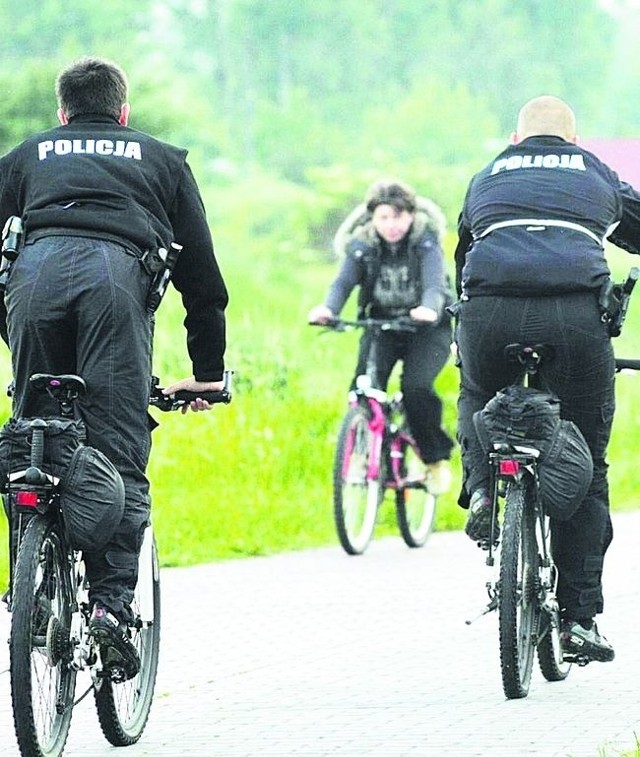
[{"x": 318, "y": 653}]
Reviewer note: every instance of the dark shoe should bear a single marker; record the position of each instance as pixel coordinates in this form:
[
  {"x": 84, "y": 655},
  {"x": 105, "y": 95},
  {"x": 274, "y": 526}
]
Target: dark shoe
[
  {"x": 119, "y": 657},
  {"x": 576, "y": 640},
  {"x": 478, "y": 525}
]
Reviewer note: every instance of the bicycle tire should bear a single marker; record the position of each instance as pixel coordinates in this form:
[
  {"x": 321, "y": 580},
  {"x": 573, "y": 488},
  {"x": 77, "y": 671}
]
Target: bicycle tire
[
  {"x": 550, "y": 657},
  {"x": 415, "y": 506},
  {"x": 518, "y": 610},
  {"x": 355, "y": 496},
  {"x": 42, "y": 680},
  {"x": 123, "y": 708}
]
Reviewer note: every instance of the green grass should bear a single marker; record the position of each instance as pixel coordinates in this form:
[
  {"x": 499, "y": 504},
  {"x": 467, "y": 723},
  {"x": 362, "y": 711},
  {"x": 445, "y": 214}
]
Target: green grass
[
  {"x": 607, "y": 751},
  {"x": 254, "y": 477}
]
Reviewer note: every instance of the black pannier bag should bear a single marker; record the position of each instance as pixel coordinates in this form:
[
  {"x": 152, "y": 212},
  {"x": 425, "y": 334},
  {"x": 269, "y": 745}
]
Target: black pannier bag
[
  {"x": 91, "y": 489},
  {"x": 61, "y": 437},
  {"x": 531, "y": 418},
  {"x": 92, "y": 499}
]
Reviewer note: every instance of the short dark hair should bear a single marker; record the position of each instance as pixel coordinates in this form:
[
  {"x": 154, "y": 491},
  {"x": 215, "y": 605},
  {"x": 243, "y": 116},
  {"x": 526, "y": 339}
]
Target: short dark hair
[
  {"x": 391, "y": 192},
  {"x": 92, "y": 85}
]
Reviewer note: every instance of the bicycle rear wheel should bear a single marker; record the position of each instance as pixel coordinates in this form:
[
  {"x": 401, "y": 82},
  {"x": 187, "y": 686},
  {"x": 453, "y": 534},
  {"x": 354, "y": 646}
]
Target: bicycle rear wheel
[
  {"x": 518, "y": 602},
  {"x": 355, "y": 496},
  {"x": 123, "y": 708},
  {"x": 42, "y": 681},
  {"x": 415, "y": 506}
]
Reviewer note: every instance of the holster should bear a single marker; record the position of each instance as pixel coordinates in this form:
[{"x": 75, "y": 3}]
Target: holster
[
  {"x": 159, "y": 263},
  {"x": 12, "y": 240},
  {"x": 611, "y": 301}
]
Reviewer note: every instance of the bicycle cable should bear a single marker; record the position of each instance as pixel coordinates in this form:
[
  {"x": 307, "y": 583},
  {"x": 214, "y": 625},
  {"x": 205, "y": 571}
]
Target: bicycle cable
[{"x": 82, "y": 696}]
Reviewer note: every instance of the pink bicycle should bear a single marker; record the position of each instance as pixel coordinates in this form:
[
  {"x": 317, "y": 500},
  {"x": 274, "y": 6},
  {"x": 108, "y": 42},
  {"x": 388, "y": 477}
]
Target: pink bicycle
[{"x": 375, "y": 453}]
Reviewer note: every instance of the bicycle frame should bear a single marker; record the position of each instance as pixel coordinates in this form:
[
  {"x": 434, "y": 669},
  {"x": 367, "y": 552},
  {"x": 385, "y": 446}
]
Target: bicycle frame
[
  {"x": 373, "y": 401},
  {"x": 373, "y": 453},
  {"x": 378, "y": 407},
  {"x": 379, "y": 411}
]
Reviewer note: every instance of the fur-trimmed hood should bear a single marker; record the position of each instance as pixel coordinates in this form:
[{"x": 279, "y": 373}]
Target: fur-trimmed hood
[{"x": 357, "y": 225}]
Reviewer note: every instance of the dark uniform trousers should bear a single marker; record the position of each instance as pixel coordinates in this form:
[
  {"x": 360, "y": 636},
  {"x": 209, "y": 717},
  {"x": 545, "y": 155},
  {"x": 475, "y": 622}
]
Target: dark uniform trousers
[
  {"x": 77, "y": 305},
  {"x": 423, "y": 354},
  {"x": 582, "y": 375}
]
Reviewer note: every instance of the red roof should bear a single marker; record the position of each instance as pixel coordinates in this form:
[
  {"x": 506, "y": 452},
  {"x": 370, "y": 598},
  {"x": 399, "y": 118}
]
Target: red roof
[{"x": 623, "y": 155}]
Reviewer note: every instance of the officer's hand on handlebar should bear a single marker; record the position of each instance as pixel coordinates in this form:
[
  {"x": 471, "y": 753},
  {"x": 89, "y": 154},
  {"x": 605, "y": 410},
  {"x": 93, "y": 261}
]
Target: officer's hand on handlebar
[
  {"x": 423, "y": 314},
  {"x": 321, "y": 315},
  {"x": 191, "y": 385}
]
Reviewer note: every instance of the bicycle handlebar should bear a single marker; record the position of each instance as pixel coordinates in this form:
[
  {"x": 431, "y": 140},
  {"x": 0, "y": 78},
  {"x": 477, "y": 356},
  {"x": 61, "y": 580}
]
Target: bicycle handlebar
[
  {"x": 169, "y": 402},
  {"x": 623, "y": 364},
  {"x": 404, "y": 323}
]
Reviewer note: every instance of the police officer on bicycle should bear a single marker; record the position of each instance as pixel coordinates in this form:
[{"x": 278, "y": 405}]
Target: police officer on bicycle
[
  {"x": 99, "y": 203},
  {"x": 530, "y": 268}
]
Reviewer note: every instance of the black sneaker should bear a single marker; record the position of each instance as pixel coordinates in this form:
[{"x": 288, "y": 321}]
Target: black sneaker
[
  {"x": 119, "y": 656},
  {"x": 478, "y": 525},
  {"x": 576, "y": 640}
]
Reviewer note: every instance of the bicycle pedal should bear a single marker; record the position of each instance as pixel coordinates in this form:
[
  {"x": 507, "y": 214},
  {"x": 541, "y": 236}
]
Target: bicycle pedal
[
  {"x": 413, "y": 485},
  {"x": 486, "y": 543},
  {"x": 577, "y": 659}
]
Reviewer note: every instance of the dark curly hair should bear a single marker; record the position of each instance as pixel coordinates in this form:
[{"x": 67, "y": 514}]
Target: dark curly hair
[{"x": 390, "y": 192}]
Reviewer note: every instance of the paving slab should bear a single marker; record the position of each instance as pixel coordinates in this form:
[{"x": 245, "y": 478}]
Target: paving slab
[{"x": 317, "y": 653}]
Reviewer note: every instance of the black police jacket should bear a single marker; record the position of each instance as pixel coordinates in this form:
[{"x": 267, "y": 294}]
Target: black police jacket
[
  {"x": 535, "y": 219},
  {"x": 96, "y": 178}
]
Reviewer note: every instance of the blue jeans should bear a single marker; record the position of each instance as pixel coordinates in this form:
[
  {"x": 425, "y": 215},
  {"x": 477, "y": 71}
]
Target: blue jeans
[
  {"x": 77, "y": 305},
  {"x": 582, "y": 375}
]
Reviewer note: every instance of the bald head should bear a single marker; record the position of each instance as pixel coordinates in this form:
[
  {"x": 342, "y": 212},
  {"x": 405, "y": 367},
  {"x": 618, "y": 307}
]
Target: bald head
[{"x": 546, "y": 115}]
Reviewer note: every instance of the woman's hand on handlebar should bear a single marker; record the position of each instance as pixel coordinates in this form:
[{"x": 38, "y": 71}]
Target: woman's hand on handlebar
[
  {"x": 320, "y": 315},
  {"x": 191, "y": 385},
  {"x": 423, "y": 314}
]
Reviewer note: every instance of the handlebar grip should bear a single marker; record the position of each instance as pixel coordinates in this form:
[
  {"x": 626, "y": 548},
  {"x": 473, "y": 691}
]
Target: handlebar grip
[
  {"x": 211, "y": 397},
  {"x": 634, "y": 275},
  {"x": 631, "y": 364}
]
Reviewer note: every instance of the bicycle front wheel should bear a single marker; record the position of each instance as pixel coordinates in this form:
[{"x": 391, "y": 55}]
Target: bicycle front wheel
[
  {"x": 518, "y": 600},
  {"x": 123, "y": 708},
  {"x": 355, "y": 496},
  {"x": 42, "y": 679},
  {"x": 550, "y": 657},
  {"x": 415, "y": 506}
]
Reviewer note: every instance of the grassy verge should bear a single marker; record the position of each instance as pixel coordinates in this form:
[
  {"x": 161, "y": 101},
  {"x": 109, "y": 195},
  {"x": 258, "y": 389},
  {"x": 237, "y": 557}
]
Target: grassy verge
[{"x": 254, "y": 477}]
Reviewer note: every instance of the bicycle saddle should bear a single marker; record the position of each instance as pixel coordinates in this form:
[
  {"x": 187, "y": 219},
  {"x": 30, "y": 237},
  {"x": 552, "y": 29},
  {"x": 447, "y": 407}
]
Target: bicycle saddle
[
  {"x": 523, "y": 353},
  {"x": 66, "y": 384}
]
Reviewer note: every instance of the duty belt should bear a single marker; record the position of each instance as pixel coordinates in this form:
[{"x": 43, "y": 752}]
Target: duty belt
[{"x": 539, "y": 224}]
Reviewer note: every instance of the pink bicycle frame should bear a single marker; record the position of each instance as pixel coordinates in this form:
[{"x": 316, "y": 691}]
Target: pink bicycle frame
[{"x": 376, "y": 426}]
